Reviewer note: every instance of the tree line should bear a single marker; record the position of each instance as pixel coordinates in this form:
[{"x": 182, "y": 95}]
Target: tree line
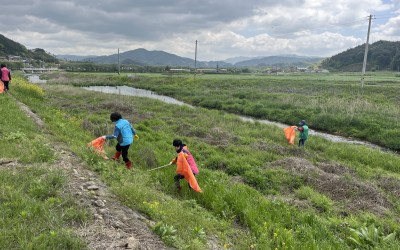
[{"x": 382, "y": 55}]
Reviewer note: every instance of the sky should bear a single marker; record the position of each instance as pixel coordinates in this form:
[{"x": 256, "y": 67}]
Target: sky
[{"x": 222, "y": 28}]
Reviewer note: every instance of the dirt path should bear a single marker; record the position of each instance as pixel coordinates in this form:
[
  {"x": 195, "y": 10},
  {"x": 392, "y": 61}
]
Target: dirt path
[{"x": 114, "y": 226}]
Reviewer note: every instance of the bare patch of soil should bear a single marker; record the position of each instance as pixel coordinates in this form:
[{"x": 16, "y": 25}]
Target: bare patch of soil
[
  {"x": 300, "y": 204},
  {"x": 219, "y": 137},
  {"x": 339, "y": 183},
  {"x": 32, "y": 115},
  {"x": 114, "y": 226},
  {"x": 238, "y": 179},
  {"x": 6, "y": 162},
  {"x": 119, "y": 105},
  {"x": 335, "y": 168},
  {"x": 265, "y": 146},
  {"x": 390, "y": 184}
]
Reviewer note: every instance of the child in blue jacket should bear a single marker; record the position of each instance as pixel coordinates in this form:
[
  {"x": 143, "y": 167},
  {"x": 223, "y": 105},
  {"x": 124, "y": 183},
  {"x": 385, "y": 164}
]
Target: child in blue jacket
[{"x": 125, "y": 135}]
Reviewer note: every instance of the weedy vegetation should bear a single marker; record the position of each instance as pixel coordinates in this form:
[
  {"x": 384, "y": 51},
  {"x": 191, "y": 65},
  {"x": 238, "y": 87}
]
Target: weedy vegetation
[
  {"x": 35, "y": 212},
  {"x": 258, "y": 192},
  {"x": 335, "y": 103}
]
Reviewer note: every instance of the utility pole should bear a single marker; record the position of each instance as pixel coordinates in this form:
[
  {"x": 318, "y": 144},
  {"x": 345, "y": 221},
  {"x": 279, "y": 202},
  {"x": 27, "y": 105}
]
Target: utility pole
[
  {"x": 195, "y": 59},
  {"x": 118, "y": 62},
  {"x": 366, "y": 52}
]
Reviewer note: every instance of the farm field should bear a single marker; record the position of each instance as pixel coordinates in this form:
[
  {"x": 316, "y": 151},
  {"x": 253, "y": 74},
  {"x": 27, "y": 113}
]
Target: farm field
[{"x": 258, "y": 191}]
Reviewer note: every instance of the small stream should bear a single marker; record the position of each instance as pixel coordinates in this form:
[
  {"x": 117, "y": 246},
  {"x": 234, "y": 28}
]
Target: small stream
[
  {"x": 130, "y": 91},
  {"x": 34, "y": 78},
  {"x": 124, "y": 90}
]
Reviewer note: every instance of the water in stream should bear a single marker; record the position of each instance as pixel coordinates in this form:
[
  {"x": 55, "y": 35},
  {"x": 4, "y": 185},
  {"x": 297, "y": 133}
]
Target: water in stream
[
  {"x": 124, "y": 90},
  {"x": 130, "y": 91},
  {"x": 34, "y": 78}
]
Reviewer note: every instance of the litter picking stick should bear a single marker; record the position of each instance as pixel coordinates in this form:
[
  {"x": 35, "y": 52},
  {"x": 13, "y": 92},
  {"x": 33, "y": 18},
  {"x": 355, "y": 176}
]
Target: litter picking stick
[{"x": 161, "y": 167}]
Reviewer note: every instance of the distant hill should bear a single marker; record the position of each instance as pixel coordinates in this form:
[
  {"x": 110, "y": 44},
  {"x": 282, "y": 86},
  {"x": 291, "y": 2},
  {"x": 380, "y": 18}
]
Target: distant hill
[
  {"x": 382, "y": 55},
  {"x": 237, "y": 59},
  {"x": 10, "y": 48},
  {"x": 144, "y": 57},
  {"x": 73, "y": 57},
  {"x": 161, "y": 58},
  {"x": 293, "y": 60}
]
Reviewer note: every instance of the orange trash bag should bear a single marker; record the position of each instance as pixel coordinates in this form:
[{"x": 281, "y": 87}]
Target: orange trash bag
[
  {"x": 1, "y": 87},
  {"x": 97, "y": 146},
  {"x": 290, "y": 134},
  {"x": 186, "y": 171}
]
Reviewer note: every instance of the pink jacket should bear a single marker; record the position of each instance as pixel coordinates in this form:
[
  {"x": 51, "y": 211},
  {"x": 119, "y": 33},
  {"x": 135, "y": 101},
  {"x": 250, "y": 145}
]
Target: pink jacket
[
  {"x": 5, "y": 74},
  {"x": 191, "y": 161}
]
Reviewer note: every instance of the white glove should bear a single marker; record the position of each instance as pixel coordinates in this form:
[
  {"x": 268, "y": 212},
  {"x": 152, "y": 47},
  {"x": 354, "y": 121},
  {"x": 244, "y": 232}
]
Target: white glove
[{"x": 104, "y": 137}]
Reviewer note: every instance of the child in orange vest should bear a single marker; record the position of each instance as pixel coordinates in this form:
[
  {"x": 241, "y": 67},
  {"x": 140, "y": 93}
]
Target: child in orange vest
[{"x": 186, "y": 166}]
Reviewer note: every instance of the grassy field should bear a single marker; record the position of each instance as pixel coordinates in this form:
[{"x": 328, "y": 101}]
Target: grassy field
[
  {"x": 259, "y": 192},
  {"x": 335, "y": 103},
  {"x": 35, "y": 212}
]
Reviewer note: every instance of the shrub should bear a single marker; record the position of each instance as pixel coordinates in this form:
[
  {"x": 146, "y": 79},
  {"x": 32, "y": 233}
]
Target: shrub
[
  {"x": 26, "y": 88},
  {"x": 166, "y": 232},
  {"x": 369, "y": 237}
]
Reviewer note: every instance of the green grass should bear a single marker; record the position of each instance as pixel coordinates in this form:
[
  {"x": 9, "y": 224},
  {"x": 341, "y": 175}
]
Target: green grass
[
  {"x": 335, "y": 103},
  {"x": 35, "y": 214},
  {"x": 319, "y": 201},
  {"x": 259, "y": 192}
]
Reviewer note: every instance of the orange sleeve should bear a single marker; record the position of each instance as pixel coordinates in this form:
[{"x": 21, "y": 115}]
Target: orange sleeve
[{"x": 174, "y": 160}]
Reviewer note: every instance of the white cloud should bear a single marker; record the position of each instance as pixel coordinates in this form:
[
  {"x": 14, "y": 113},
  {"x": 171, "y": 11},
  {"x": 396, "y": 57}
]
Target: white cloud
[
  {"x": 224, "y": 28},
  {"x": 389, "y": 30}
]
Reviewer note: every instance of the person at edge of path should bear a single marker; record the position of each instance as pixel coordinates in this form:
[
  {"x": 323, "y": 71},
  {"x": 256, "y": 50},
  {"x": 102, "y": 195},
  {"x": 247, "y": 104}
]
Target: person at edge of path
[
  {"x": 303, "y": 128},
  {"x": 183, "y": 169},
  {"x": 189, "y": 157},
  {"x": 5, "y": 76},
  {"x": 125, "y": 135}
]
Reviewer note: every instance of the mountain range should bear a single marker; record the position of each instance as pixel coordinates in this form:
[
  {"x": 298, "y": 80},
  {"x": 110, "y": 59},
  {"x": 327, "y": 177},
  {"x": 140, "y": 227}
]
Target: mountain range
[
  {"x": 144, "y": 57},
  {"x": 382, "y": 55}
]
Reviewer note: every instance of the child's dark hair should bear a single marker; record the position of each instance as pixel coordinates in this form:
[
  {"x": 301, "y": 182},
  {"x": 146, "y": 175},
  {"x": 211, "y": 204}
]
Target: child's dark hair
[
  {"x": 115, "y": 116},
  {"x": 177, "y": 143}
]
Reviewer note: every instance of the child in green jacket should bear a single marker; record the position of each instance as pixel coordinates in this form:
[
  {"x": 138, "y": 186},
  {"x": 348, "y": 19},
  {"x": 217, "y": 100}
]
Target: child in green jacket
[{"x": 303, "y": 128}]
